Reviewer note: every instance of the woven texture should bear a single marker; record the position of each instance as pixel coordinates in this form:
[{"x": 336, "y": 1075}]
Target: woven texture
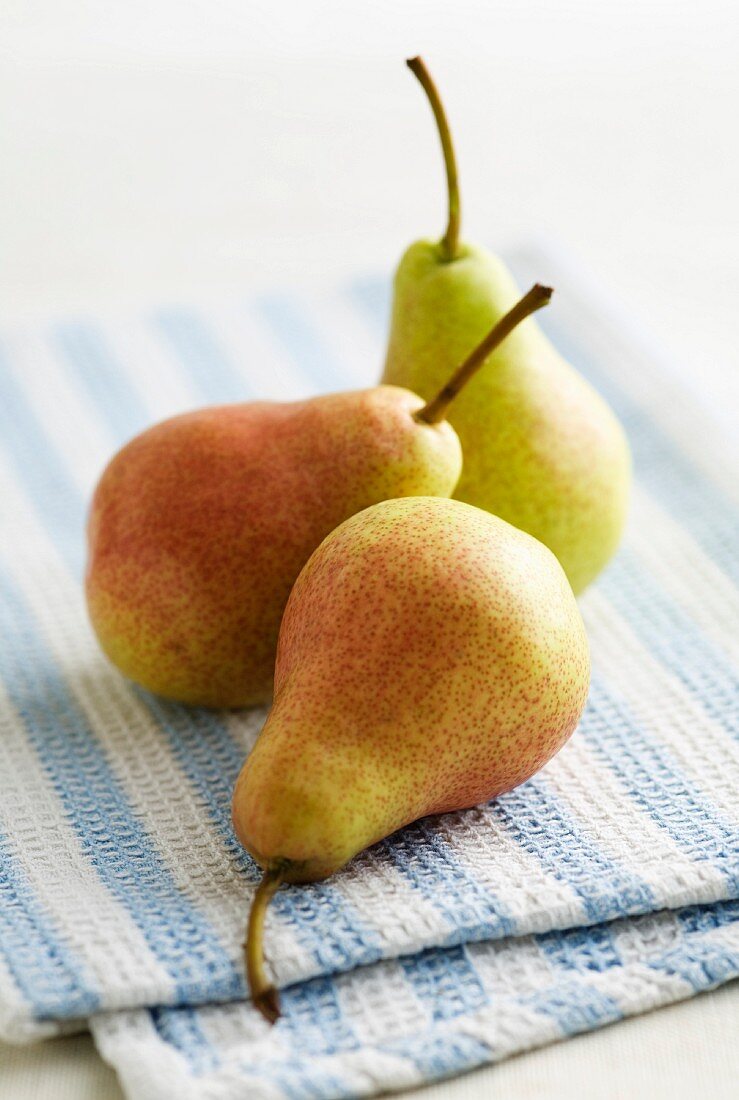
[{"x": 603, "y": 887}]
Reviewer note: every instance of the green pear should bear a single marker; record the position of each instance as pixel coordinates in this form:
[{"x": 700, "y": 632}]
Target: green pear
[
  {"x": 200, "y": 525},
  {"x": 541, "y": 447},
  {"x": 431, "y": 656}
]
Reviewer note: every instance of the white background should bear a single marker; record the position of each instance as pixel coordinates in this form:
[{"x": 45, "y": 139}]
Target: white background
[{"x": 159, "y": 148}]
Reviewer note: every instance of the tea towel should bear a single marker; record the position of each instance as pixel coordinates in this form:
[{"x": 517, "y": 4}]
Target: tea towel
[{"x": 605, "y": 886}]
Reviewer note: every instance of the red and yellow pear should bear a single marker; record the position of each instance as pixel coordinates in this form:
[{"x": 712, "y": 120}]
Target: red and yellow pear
[
  {"x": 430, "y": 657},
  {"x": 542, "y": 449},
  {"x": 200, "y": 525}
]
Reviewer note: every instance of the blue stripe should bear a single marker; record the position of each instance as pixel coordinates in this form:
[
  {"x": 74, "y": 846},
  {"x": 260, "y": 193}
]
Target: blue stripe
[
  {"x": 543, "y": 826},
  {"x": 311, "y": 1021},
  {"x": 180, "y": 1028},
  {"x": 440, "y": 1053},
  {"x": 445, "y": 982},
  {"x": 199, "y": 351},
  {"x": 314, "y": 1019},
  {"x": 674, "y": 639},
  {"x": 583, "y": 950},
  {"x": 698, "y": 960},
  {"x": 50, "y": 979},
  {"x": 656, "y": 783},
  {"x": 703, "y": 966},
  {"x": 302, "y": 341},
  {"x": 697, "y": 919},
  {"x": 87, "y": 354},
  {"x": 327, "y": 924},
  {"x": 40, "y": 470},
  {"x": 427, "y": 862},
  {"x": 202, "y": 745},
  {"x": 578, "y": 1006},
  {"x": 575, "y": 1005},
  {"x": 109, "y": 830}
]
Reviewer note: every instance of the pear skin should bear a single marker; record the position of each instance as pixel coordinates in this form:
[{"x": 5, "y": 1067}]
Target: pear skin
[
  {"x": 200, "y": 525},
  {"x": 431, "y": 656},
  {"x": 541, "y": 447}
]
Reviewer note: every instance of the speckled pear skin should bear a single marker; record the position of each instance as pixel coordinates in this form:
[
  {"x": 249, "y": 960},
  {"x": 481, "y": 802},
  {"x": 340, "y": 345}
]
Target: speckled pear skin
[
  {"x": 541, "y": 448},
  {"x": 200, "y": 526},
  {"x": 431, "y": 656}
]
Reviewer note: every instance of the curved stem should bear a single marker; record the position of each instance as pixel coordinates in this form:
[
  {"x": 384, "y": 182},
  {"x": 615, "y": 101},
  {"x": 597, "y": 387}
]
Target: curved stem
[
  {"x": 263, "y": 993},
  {"x": 450, "y": 240},
  {"x": 435, "y": 410}
]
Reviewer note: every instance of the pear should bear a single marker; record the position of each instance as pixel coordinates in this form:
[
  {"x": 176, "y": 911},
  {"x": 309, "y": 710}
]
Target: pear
[
  {"x": 200, "y": 525},
  {"x": 541, "y": 448},
  {"x": 431, "y": 656}
]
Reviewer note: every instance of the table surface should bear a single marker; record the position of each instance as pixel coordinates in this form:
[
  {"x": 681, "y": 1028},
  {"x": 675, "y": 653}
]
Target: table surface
[{"x": 157, "y": 150}]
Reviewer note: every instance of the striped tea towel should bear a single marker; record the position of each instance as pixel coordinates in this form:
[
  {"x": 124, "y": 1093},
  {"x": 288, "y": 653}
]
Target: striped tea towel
[{"x": 605, "y": 886}]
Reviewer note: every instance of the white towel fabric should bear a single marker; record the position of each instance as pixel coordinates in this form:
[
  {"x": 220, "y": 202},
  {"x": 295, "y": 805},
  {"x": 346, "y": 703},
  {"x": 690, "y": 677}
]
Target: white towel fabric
[{"x": 605, "y": 886}]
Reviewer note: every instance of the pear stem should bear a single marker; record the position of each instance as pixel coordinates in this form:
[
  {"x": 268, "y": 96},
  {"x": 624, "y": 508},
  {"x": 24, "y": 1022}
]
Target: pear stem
[
  {"x": 435, "y": 410},
  {"x": 450, "y": 240},
  {"x": 264, "y": 994}
]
